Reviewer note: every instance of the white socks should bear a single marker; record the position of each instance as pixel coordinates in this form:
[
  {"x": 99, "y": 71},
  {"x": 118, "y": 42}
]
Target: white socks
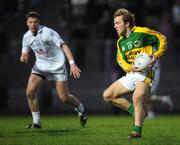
[
  {"x": 165, "y": 99},
  {"x": 36, "y": 117},
  {"x": 80, "y": 108},
  {"x": 150, "y": 114}
]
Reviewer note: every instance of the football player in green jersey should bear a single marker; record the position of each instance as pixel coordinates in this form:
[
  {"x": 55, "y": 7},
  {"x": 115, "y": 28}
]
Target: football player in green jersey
[{"x": 132, "y": 41}]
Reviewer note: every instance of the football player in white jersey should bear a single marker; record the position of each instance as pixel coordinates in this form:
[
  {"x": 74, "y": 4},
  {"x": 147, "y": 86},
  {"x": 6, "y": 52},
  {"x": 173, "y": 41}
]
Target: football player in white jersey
[
  {"x": 155, "y": 98},
  {"x": 49, "y": 50}
]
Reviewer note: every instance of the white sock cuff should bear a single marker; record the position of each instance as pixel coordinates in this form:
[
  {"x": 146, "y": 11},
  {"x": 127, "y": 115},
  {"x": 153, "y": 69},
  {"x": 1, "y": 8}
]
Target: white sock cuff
[
  {"x": 36, "y": 113},
  {"x": 80, "y": 108},
  {"x": 36, "y": 117}
]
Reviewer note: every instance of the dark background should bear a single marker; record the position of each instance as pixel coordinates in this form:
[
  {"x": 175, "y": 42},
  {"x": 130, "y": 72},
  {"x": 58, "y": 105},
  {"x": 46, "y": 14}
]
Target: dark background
[{"x": 87, "y": 26}]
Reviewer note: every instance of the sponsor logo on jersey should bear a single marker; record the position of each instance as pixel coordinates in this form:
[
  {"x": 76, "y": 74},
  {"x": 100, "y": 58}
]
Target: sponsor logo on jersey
[{"x": 137, "y": 43}]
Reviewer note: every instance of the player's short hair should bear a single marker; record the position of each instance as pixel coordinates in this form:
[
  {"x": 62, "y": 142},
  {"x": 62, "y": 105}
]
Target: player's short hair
[
  {"x": 127, "y": 16},
  {"x": 33, "y": 14}
]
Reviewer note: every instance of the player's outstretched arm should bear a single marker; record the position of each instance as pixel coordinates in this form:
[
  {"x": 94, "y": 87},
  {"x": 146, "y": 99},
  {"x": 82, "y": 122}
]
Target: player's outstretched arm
[
  {"x": 24, "y": 57},
  {"x": 74, "y": 70}
]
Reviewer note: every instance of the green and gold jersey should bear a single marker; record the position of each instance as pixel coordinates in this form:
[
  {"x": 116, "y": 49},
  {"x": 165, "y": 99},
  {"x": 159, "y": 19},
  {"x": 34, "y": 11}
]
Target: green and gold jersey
[{"x": 141, "y": 40}]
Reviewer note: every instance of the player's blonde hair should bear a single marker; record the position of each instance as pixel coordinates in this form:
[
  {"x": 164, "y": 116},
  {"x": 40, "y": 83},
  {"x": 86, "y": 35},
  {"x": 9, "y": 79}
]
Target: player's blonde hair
[{"x": 127, "y": 16}]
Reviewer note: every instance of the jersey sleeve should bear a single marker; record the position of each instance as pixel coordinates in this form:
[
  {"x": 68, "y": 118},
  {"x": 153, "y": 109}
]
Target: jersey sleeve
[
  {"x": 25, "y": 47},
  {"x": 162, "y": 44},
  {"x": 54, "y": 37},
  {"x": 159, "y": 41}
]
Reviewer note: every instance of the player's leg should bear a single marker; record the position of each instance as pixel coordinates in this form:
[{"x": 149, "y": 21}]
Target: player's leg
[
  {"x": 113, "y": 94},
  {"x": 150, "y": 103},
  {"x": 34, "y": 83},
  {"x": 164, "y": 99},
  {"x": 66, "y": 97},
  {"x": 149, "y": 106},
  {"x": 141, "y": 91}
]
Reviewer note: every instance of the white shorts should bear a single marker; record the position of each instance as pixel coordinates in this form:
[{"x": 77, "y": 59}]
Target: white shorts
[
  {"x": 131, "y": 79},
  {"x": 58, "y": 75}
]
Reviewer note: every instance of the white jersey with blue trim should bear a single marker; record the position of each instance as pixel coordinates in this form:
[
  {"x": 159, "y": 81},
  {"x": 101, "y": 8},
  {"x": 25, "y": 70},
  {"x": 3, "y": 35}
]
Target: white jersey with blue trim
[{"x": 46, "y": 46}]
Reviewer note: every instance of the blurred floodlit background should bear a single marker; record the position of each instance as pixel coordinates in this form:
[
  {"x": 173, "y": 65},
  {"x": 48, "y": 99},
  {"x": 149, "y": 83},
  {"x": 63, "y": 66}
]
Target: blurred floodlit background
[{"x": 87, "y": 26}]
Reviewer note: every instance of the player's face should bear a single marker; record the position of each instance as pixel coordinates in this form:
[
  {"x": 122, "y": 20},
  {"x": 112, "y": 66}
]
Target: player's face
[
  {"x": 33, "y": 24},
  {"x": 120, "y": 25}
]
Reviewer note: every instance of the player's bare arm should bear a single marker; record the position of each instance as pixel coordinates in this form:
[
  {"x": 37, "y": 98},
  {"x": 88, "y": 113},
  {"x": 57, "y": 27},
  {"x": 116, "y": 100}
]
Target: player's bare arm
[
  {"x": 24, "y": 57},
  {"x": 74, "y": 70}
]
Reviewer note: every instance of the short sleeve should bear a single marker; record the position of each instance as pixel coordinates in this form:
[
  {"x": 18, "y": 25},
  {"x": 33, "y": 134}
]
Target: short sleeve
[
  {"x": 55, "y": 38},
  {"x": 25, "y": 48}
]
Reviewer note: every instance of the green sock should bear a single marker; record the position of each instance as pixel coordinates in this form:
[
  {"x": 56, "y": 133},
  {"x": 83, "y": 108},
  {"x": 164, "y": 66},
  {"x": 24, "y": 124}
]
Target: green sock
[
  {"x": 136, "y": 129},
  {"x": 131, "y": 109}
]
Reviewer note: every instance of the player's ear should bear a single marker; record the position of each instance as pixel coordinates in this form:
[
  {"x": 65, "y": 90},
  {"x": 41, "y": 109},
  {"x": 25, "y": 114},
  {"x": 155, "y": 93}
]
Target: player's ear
[
  {"x": 127, "y": 24},
  {"x": 27, "y": 22}
]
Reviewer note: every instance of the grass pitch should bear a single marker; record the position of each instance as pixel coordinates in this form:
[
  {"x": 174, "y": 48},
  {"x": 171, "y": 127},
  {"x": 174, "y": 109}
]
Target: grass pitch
[{"x": 100, "y": 130}]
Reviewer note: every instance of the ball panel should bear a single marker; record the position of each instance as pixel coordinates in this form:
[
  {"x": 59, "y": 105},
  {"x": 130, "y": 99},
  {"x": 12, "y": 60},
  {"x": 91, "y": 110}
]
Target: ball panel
[{"x": 142, "y": 61}]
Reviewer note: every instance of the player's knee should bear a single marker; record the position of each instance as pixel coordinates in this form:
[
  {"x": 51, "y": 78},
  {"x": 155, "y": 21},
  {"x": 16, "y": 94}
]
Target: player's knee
[
  {"x": 106, "y": 97},
  {"x": 137, "y": 100},
  {"x": 64, "y": 99},
  {"x": 30, "y": 94}
]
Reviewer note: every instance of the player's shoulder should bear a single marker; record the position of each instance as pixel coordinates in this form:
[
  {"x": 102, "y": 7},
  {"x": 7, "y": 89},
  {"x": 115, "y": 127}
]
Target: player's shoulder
[
  {"x": 141, "y": 29},
  {"x": 27, "y": 36},
  {"x": 145, "y": 30},
  {"x": 44, "y": 28},
  {"x": 47, "y": 30}
]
